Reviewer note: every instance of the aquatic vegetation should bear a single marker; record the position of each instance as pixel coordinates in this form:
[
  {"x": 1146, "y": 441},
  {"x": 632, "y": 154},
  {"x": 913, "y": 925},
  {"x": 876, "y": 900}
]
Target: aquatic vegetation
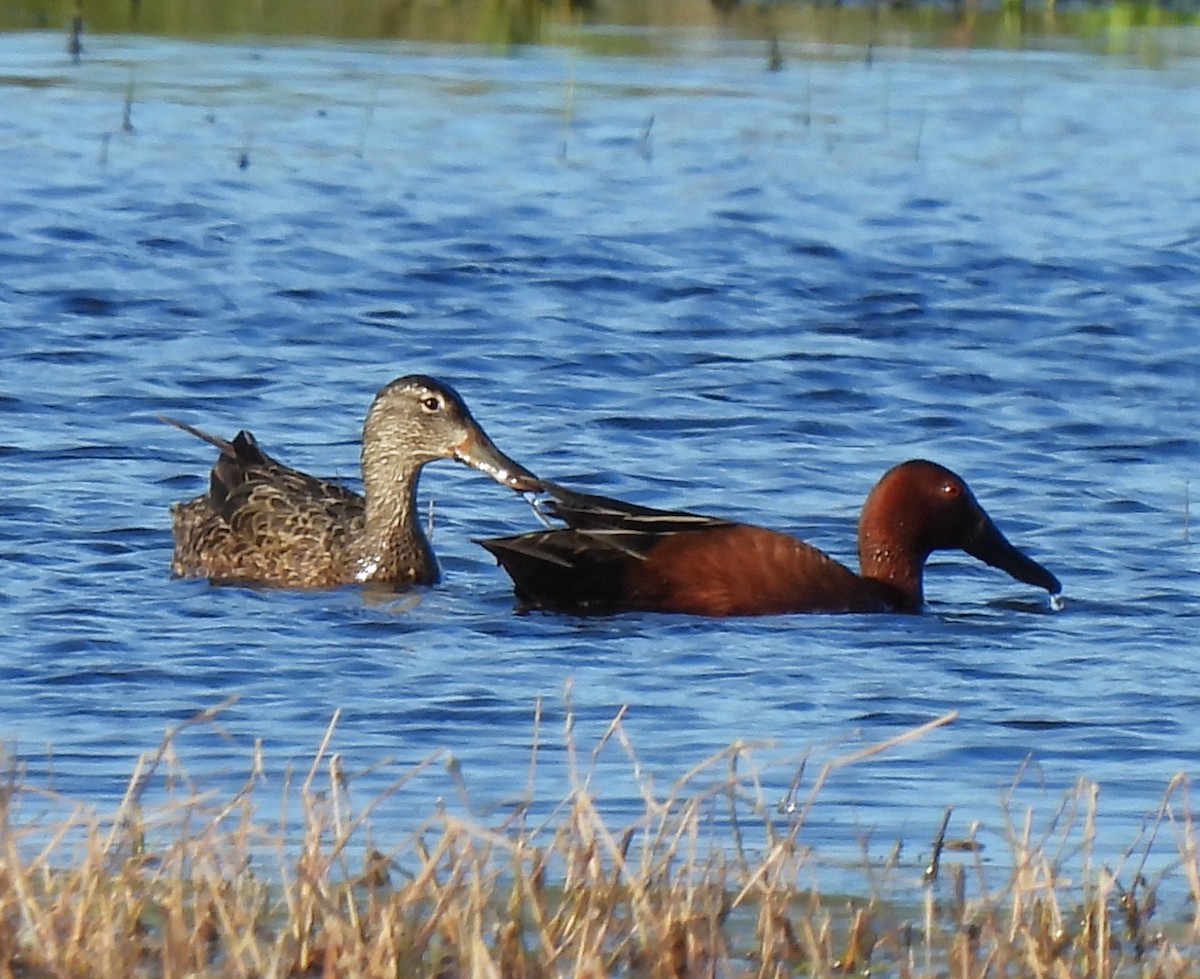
[
  {"x": 789, "y": 30},
  {"x": 205, "y": 886}
]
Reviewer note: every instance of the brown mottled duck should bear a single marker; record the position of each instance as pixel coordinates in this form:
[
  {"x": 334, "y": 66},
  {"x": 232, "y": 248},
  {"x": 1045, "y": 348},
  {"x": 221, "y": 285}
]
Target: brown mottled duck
[{"x": 263, "y": 522}]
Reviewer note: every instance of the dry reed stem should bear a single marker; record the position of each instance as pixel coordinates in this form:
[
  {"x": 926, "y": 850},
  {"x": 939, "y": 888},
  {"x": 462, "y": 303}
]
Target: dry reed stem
[{"x": 176, "y": 890}]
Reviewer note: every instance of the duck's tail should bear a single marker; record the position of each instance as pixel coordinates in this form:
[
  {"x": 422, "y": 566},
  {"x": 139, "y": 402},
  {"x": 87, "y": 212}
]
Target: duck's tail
[{"x": 226, "y": 447}]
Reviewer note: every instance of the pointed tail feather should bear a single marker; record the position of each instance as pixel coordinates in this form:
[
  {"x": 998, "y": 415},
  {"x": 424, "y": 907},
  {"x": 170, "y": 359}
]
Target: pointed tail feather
[{"x": 224, "y": 445}]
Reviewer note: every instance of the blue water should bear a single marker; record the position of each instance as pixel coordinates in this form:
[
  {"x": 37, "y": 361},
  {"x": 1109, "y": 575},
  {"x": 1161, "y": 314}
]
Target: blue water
[{"x": 688, "y": 282}]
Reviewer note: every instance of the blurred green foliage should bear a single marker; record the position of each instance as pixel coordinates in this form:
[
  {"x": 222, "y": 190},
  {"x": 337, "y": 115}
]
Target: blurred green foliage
[{"x": 627, "y": 26}]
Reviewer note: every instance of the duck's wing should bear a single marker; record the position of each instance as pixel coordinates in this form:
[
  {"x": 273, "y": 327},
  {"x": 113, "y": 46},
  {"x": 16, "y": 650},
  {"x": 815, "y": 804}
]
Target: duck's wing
[
  {"x": 590, "y": 512},
  {"x": 571, "y": 570},
  {"x": 252, "y": 490},
  {"x": 584, "y": 566}
]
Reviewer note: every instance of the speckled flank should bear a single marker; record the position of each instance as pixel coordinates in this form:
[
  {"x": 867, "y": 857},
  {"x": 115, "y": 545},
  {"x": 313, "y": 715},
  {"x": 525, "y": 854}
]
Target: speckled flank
[{"x": 263, "y": 522}]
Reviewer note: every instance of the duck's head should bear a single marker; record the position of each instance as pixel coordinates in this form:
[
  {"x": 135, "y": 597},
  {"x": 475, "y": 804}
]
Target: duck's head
[
  {"x": 919, "y": 507},
  {"x": 416, "y": 419}
]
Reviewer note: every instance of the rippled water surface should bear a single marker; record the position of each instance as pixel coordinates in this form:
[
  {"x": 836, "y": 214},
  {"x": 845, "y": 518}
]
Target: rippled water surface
[{"x": 688, "y": 282}]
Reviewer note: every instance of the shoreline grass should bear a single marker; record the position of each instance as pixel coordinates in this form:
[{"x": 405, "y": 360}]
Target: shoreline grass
[{"x": 204, "y": 885}]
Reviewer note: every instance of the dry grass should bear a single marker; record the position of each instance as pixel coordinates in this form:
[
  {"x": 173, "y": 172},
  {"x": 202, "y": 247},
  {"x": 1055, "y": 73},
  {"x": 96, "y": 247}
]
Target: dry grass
[{"x": 203, "y": 887}]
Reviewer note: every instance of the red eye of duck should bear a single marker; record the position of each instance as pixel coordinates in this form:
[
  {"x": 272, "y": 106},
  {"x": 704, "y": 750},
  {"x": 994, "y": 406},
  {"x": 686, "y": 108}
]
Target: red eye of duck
[{"x": 951, "y": 491}]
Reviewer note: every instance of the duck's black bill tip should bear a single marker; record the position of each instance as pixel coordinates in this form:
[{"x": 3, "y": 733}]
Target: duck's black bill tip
[
  {"x": 1025, "y": 569},
  {"x": 992, "y": 547}
]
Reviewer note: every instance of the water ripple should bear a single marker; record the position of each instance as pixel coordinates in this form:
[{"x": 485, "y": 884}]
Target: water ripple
[{"x": 756, "y": 321}]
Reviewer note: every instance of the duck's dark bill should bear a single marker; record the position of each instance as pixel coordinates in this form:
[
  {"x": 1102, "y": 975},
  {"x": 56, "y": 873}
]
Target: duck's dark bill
[{"x": 992, "y": 547}]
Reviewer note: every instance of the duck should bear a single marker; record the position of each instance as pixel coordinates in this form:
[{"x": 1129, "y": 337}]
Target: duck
[
  {"x": 613, "y": 556},
  {"x": 262, "y": 522}
]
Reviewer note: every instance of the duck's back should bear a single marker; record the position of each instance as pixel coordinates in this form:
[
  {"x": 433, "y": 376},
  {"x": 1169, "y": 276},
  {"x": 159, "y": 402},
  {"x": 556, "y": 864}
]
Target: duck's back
[
  {"x": 262, "y": 521},
  {"x": 617, "y": 556}
]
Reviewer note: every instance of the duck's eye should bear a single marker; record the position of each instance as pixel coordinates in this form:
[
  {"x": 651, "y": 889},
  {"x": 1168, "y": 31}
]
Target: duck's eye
[
  {"x": 431, "y": 403},
  {"x": 951, "y": 491}
]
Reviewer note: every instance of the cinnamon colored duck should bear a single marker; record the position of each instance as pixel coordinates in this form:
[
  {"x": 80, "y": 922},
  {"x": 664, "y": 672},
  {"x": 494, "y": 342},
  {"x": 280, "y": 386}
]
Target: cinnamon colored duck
[
  {"x": 615, "y": 556},
  {"x": 263, "y": 522}
]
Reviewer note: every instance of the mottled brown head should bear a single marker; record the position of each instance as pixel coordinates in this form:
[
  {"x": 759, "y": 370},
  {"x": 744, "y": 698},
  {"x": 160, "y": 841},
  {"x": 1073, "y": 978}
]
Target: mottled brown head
[
  {"x": 919, "y": 507},
  {"x": 414, "y": 420}
]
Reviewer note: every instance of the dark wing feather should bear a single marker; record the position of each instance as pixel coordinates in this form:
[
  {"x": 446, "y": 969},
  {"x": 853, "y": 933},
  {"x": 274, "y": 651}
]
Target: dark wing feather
[
  {"x": 571, "y": 570},
  {"x": 587, "y": 567},
  {"x": 587, "y": 511}
]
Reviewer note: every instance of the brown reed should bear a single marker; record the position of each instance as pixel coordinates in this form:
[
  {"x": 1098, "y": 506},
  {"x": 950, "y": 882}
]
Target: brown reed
[{"x": 203, "y": 886}]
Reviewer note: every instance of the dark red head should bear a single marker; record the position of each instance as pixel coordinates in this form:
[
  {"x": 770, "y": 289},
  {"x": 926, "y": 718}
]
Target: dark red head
[{"x": 919, "y": 507}]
